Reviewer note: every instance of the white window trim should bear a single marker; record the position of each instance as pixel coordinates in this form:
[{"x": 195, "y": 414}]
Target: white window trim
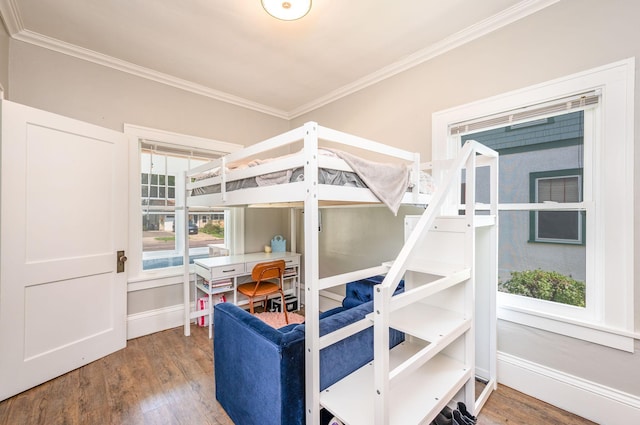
[
  {"x": 139, "y": 279},
  {"x": 611, "y": 320}
]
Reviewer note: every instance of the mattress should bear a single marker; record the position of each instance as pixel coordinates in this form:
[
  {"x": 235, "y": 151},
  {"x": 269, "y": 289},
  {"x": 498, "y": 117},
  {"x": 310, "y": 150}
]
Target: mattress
[
  {"x": 384, "y": 180},
  {"x": 325, "y": 176}
]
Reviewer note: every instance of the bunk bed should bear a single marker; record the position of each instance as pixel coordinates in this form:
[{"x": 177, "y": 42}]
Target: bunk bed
[{"x": 317, "y": 176}]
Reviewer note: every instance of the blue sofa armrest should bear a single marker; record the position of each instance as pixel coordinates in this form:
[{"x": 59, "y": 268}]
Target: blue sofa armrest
[{"x": 256, "y": 368}]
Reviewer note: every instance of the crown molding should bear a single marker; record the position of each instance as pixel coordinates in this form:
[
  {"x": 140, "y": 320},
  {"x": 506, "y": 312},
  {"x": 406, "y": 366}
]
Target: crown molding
[
  {"x": 482, "y": 28},
  {"x": 10, "y": 15},
  {"x": 13, "y": 21},
  {"x": 140, "y": 71}
]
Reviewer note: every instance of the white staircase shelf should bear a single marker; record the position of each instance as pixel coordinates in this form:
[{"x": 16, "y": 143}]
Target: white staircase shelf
[
  {"x": 437, "y": 362},
  {"x": 485, "y": 220},
  {"x": 414, "y": 399},
  {"x": 436, "y": 268},
  {"x": 429, "y": 323}
]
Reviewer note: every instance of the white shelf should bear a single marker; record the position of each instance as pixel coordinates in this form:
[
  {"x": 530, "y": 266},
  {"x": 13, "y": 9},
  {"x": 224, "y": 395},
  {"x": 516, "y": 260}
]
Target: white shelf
[
  {"x": 485, "y": 220},
  {"x": 436, "y": 268},
  {"x": 429, "y": 323},
  {"x": 454, "y": 222},
  {"x": 413, "y": 398},
  {"x": 215, "y": 289}
]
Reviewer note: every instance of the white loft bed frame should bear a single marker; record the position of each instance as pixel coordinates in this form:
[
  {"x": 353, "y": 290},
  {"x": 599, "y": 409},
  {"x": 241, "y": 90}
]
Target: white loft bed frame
[
  {"x": 310, "y": 195},
  {"x": 298, "y": 192}
]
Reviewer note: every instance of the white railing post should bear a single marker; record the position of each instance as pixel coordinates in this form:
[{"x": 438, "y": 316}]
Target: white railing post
[
  {"x": 311, "y": 277},
  {"x": 183, "y": 211},
  {"x": 470, "y": 261},
  {"x": 381, "y": 311}
]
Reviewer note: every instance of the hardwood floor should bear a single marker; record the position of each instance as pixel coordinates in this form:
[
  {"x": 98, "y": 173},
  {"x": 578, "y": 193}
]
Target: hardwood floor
[{"x": 166, "y": 378}]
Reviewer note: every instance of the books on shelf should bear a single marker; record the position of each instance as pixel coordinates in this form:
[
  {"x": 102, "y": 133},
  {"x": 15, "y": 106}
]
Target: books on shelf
[{"x": 217, "y": 284}]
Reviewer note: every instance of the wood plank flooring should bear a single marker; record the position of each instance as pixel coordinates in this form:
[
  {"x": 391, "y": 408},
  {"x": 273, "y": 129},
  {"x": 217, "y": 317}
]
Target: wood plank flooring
[{"x": 167, "y": 378}]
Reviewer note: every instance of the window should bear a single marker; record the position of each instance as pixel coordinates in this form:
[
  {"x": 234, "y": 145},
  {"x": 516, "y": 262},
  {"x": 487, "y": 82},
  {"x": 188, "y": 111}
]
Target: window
[
  {"x": 555, "y": 191},
  {"x": 163, "y": 229},
  {"x": 157, "y": 225},
  {"x": 541, "y": 256},
  {"x": 158, "y": 186},
  {"x": 556, "y": 226}
]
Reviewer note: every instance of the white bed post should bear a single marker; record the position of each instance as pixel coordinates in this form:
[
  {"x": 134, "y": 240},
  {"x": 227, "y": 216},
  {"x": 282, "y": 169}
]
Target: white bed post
[
  {"x": 182, "y": 208},
  {"x": 293, "y": 235},
  {"x": 415, "y": 177},
  {"x": 223, "y": 177},
  {"x": 470, "y": 259},
  {"x": 311, "y": 277}
]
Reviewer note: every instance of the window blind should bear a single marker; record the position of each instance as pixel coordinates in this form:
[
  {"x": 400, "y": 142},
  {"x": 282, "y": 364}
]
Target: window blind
[
  {"x": 563, "y": 105},
  {"x": 559, "y": 189},
  {"x": 154, "y": 147}
]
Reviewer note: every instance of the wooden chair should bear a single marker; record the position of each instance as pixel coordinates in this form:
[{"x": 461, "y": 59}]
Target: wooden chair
[{"x": 263, "y": 275}]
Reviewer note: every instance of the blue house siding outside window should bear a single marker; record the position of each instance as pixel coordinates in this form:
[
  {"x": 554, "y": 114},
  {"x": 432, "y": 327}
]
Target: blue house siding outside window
[{"x": 536, "y": 157}]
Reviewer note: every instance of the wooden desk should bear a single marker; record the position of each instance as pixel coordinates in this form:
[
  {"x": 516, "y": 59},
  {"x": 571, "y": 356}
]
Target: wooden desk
[{"x": 220, "y": 275}]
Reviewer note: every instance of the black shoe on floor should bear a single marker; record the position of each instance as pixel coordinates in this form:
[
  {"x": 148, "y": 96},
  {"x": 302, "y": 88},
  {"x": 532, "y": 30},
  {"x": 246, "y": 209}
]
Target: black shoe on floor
[
  {"x": 443, "y": 420},
  {"x": 460, "y": 419},
  {"x": 462, "y": 408}
]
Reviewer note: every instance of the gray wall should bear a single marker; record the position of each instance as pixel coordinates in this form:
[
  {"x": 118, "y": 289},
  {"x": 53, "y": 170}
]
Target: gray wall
[
  {"x": 568, "y": 37},
  {"x": 354, "y": 238},
  {"x": 4, "y": 58},
  {"x": 89, "y": 92},
  {"x": 262, "y": 224}
]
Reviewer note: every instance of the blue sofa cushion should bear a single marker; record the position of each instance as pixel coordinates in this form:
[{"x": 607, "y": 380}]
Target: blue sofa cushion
[{"x": 361, "y": 291}]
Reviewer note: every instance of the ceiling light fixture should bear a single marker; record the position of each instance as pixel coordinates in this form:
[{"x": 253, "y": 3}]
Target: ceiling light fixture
[{"x": 287, "y": 10}]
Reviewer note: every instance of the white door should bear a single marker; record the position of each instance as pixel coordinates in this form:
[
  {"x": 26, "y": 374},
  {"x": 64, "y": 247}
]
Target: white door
[{"x": 63, "y": 217}]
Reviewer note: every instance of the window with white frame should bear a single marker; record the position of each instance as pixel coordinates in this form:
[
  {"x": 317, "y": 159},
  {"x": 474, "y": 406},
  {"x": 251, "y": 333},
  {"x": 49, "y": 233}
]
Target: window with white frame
[
  {"x": 541, "y": 257},
  {"x": 556, "y": 190},
  {"x": 159, "y": 230},
  {"x": 162, "y": 229}
]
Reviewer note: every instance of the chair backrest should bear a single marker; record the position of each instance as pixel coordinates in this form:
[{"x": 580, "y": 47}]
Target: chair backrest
[{"x": 268, "y": 270}]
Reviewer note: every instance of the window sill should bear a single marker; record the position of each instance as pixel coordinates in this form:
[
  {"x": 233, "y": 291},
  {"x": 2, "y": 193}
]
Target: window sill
[
  {"x": 165, "y": 277},
  {"x": 614, "y": 338},
  {"x": 556, "y": 242}
]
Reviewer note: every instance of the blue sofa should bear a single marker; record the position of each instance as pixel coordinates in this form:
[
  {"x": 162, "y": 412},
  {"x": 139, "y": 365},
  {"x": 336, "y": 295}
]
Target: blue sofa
[{"x": 259, "y": 370}]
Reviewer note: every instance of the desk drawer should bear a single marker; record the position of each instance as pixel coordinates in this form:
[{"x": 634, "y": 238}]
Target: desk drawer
[
  {"x": 292, "y": 261},
  {"x": 220, "y": 271},
  {"x": 288, "y": 262}
]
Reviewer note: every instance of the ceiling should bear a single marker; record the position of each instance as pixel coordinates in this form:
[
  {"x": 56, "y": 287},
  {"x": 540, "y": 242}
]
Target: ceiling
[{"x": 234, "y": 51}]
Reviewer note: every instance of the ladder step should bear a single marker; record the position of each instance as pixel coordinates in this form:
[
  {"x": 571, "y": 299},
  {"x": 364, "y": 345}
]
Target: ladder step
[
  {"x": 435, "y": 268},
  {"x": 430, "y": 267},
  {"x": 410, "y": 296},
  {"x": 341, "y": 279},
  {"x": 429, "y": 323}
]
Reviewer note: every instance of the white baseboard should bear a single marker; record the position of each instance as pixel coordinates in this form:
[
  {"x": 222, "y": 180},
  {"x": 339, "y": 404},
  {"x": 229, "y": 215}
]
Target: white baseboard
[
  {"x": 148, "y": 322},
  {"x": 587, "y": 399}
]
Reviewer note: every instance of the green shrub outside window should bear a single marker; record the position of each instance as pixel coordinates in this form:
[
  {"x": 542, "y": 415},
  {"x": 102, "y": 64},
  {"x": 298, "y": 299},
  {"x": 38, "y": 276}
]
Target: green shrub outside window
[{"x": 545, "y": 285}]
